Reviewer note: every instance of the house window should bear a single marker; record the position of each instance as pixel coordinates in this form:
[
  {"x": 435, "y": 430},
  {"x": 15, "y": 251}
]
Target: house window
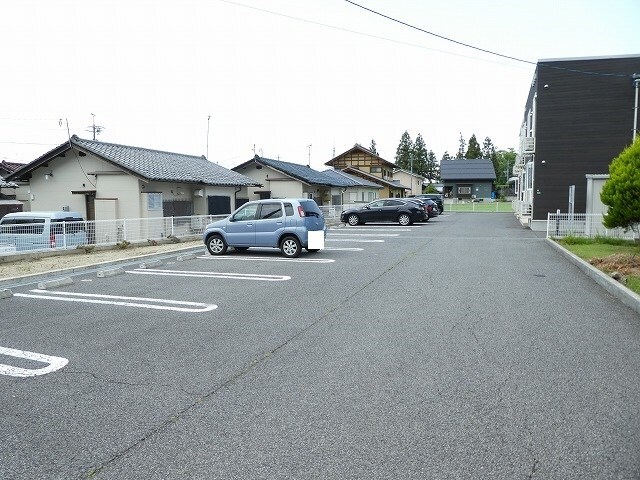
[
  {"x": 464, "y": 190},
  {"x": 154, "y": 201},
  {"x": 376, "y": 169}
]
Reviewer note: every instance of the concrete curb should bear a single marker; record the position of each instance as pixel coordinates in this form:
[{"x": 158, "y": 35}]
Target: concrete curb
[
  {"x": 626, "y": 296},
  {"x": 35, "y": 277}
]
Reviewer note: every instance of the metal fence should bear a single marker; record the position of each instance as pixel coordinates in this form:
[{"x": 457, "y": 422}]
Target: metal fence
[
  {"x": 561, "y": 225},
  {"x": 45, "y": 236}
]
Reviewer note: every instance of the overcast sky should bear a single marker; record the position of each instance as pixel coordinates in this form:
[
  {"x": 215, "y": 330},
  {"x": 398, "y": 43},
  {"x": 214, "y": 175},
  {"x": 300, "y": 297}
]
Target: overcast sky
[{"x": 280, "y": 75}]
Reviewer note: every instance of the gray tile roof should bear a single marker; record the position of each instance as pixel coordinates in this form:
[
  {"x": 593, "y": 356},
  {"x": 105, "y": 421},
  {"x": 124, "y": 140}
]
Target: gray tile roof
[
  {"x": 303, "y": 173},
  {"x": 350, "y": 180},
  {"x": 164, "y": 166},
  {"x": 378, "y": 180},
  {"x": 5, "y": 184},
  {"x": 477, "y": 169}
]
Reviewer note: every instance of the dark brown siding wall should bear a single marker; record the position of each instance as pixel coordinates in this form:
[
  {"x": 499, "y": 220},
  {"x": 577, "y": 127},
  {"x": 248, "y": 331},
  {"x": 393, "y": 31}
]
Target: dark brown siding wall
[{"x": 583, "y": 122}]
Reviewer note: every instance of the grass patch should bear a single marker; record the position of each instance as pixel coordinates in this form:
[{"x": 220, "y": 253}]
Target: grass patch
[{"x": 609, "y": 255}]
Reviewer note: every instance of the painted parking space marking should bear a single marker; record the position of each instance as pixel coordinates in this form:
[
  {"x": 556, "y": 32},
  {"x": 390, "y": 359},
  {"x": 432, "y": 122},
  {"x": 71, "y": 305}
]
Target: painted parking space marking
[
  {"x": 345, "y": 249},
  {"x": 356, "y": 240},
  {"x": 370, "y": 229},
  {"x": 364, "y": 234},
  {"x": 138, "y": 302},
  {"x": 52, "y": 363},
  {"x": 236, "y": 276},
  {"x": 268, "y": 259}
]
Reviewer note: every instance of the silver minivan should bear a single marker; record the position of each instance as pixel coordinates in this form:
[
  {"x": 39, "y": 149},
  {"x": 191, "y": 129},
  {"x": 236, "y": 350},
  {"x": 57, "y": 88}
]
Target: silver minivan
[{"x": 42, "y": 230}]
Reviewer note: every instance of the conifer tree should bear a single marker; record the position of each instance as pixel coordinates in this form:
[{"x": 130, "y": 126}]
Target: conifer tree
[
  {"x": 404, "y": 152},
  {"x": 373, "y": 147},
  {"x": 473, "y": 151}
]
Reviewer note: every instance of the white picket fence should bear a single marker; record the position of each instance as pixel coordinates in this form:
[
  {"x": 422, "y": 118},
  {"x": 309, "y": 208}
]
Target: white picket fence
[
  {"x": 561, "y": 225},
  {"x": 67, "y": 235}
]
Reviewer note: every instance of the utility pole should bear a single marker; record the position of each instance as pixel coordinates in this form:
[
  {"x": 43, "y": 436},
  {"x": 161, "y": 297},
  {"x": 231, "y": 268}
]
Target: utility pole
[
  {"x": 96, "y": 129},
  {"x": 208, "y": 121}
]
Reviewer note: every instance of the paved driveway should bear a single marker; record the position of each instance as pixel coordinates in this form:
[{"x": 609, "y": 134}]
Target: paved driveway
[{"x": 463, "y": 348}]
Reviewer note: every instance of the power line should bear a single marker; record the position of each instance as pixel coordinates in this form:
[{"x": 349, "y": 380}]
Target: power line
[
  {"x": 539, "y": 64},
  {"x": 441, "y": 36},
  {"x": 366, "y": 34}
]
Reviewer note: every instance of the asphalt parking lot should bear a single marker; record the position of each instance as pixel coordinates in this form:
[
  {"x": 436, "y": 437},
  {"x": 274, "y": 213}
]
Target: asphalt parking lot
[{"x": 465, "y": 347}]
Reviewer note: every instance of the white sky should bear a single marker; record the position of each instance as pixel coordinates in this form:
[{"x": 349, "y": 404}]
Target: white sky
[{"x": 284, "y": 74}]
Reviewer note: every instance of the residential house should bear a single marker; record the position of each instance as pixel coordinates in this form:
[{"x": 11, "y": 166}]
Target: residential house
[
  {"x": 106, "y": 181},
  {"x": 363, "y": 163},
  {"x": 8, "y": 190},
  {"x": 282, "y": 179},
  {"x": 415, "y": 181},
  {"x": 467, "y": 179},
  {"x": 579, "y": 115},
  {"x": 354, "y": 189}
]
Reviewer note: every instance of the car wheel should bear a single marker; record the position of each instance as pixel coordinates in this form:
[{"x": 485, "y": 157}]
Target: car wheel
[
  {"x": 216, "y": 245},
  {"x": 290, "y": 247},
  {"x": 353, "y": 219},
  {"x": 404, "y": 219}
]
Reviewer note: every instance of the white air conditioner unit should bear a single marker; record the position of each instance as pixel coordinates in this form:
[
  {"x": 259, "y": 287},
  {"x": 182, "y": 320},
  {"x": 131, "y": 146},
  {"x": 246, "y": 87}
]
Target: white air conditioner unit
[{"x": 528, "y": 145}]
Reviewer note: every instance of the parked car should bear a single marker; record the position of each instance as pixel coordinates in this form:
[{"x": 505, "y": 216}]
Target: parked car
[
  {"x": 436, "y": 197},
  {"x": 423, "y": 204},
  {"x": 385, "y": 210},
  {"x": 429, "y": 206},
  {"x": 288, "y": 224},
  {"x": 23, "y": 231}
]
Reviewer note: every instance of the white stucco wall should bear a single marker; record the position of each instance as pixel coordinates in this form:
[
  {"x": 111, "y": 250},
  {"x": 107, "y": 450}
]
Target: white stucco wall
[{"x": 594, "y": 187}]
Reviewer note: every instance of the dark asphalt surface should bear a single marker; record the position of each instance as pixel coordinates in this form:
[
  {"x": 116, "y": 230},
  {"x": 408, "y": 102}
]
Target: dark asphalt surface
[{"x": 462, "y": 348}]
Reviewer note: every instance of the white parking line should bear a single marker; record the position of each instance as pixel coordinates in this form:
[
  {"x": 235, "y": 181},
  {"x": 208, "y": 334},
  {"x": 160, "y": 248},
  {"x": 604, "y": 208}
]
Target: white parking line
[
  {"x": 236, "y": 276},
  {"x": 357, "y": 234},
  {"x": 53, "y": 363},
  {"x": 268, "y": 259},
  {"x": 355, "y": 240},
  {"x": 374, "y": 229},
  {"x": 152, "y": 303},
  {"x": 345, "y": 249}
]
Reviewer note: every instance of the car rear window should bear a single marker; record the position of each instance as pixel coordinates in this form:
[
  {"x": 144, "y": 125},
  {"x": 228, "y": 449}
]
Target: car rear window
[{"x": 310, "y": 208}]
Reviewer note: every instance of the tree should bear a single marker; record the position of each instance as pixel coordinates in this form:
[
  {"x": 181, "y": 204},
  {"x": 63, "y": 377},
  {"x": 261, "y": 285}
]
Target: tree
[
  {"x": 432, "y": 171},
  {"x": 473, "y": 151},
  {"x": 505, "y": 159},
  {"x": 373, "y": 147},
  {"x": 419, "y": 155},
  {"x": 461, "y": 148},
  {"x": 446, "y": 156},
  {"x": 489, "y": 151},
  {"x": 621, "y": 192},
  {"x": 404, "y": 152}
]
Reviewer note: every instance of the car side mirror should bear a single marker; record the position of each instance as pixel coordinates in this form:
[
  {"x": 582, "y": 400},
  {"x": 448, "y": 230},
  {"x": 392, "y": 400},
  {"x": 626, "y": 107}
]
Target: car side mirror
[{"x": 367, "y": 207}]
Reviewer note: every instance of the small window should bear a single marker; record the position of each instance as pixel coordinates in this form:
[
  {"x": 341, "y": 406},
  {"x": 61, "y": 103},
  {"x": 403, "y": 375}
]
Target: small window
[
  {"x": 248, "y": 212},
  {"x": 378, "y": 204},
  {"x": 288, "y": 209},
  {"x": 154, "y": 201},
  {"x": 393, "y": 203},
  {"x": 464, "y": 190},
  {"x": 376, "y": 169},
  {"x": 270, "y": 210}
]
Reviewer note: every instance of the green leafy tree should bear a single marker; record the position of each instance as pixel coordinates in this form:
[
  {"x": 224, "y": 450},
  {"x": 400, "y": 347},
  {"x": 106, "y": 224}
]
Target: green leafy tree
[
  {"x": 446, "y": 156},
  {"x": 473, "y": 150},
  {"x": 373, "y": 147},
  {"x": 462, "y": 147},
  {"x": 621, "y": 192},
  {"x": 505, "y": 159},
  {"x": 404, "y": 152}
]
